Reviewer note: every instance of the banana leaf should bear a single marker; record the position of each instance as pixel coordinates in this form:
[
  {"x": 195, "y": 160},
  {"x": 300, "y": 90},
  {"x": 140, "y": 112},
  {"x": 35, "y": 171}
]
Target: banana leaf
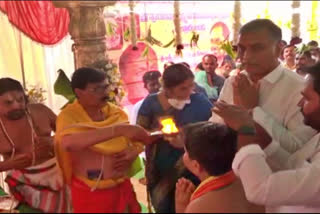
[
  {"x": 148, "y": 39},
  {"x": 194, "y": 39},
  {"x": 156, "y": 42},
  {"x": 227, "y": 47},
  {"x": 126, "y": 35},
  {"x": 301, "y": 50},
  {"x": 288, "y": 24},
  {"x": 62, "y": 86},
  {"x": 110, "y": 28},
  {"x": 145, "y": 52},
  {"x": 170, "y": 43},
  {"x": 152, "y": 40}
]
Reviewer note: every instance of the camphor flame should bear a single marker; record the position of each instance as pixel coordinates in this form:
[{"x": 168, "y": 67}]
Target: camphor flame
[{"x": 169, "y": 126}]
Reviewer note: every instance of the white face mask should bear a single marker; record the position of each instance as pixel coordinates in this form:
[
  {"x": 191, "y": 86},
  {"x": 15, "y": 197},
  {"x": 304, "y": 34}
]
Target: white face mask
[
  {"x": 315, "y": 58},
  {"x": 178, "y": 104}
]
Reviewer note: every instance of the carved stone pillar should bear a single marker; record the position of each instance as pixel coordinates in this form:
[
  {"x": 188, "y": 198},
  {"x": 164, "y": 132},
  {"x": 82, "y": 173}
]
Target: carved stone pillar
[{"x": 87, "y": 30}]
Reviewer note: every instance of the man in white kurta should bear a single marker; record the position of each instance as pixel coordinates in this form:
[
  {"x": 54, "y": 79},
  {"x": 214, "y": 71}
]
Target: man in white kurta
[
  {"x": 267, "y": 89},
  {"x": 297, "y": 186}
]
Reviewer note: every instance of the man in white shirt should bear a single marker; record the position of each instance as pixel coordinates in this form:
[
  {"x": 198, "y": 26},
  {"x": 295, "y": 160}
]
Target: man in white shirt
[
  {"x": 298, "y": 184},
  {"x": 271, "y": 91},
  {"x": 151, "y": 80}
]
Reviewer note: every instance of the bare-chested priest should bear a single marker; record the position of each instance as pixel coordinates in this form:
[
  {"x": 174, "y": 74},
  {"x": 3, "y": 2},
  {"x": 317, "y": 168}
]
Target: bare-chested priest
[
  {"x": 97, "y": 148},
  {"x": 26, "y": 145}
]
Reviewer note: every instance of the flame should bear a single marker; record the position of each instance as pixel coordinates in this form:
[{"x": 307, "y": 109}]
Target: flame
[{"x": 169, "y": 126}]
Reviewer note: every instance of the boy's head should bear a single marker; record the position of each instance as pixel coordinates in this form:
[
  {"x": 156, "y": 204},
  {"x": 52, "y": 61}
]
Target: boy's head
[
  {"x": 151, "y": 80},
  {"x": 209, "y": 148}
]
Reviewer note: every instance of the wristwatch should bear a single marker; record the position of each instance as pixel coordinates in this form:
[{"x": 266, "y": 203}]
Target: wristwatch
[{"x": 247, "y": 130}]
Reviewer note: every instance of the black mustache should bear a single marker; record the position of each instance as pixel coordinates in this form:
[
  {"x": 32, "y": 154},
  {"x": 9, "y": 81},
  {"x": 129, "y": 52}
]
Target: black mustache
[{"x": 16, "y": 114}]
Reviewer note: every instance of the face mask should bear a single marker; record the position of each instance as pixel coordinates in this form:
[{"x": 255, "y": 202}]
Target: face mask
[
  {"x": 178, "y": 104},
  {"x": 314, "y": 58},
  {"x": 238, "y": 65}
]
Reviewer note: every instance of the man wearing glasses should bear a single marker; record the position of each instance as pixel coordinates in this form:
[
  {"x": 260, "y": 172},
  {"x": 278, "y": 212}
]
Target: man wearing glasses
[{"x": 96, "y": 148}]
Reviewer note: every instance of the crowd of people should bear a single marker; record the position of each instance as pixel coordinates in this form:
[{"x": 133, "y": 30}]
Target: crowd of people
[{"x": 248, "y": 139}]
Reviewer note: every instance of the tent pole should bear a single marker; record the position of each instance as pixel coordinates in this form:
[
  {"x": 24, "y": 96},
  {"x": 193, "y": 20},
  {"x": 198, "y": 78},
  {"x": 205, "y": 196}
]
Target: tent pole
[{"x": 22, "y": 62}]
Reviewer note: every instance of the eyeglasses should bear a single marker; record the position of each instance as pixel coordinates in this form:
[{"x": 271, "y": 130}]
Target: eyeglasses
[{"x": 99, "y": 89}]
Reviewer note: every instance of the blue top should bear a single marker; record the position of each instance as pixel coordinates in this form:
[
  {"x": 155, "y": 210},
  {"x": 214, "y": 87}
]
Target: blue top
[
  {"x": 198, "y": 110},
  {"x": 161, "y": 156}
]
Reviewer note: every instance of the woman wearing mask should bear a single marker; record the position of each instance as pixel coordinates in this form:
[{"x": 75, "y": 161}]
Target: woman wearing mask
[{"x": 164, "y": 158}]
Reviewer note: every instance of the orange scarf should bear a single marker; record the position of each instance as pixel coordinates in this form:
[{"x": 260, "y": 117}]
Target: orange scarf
[{"x": 213, "y": 183}]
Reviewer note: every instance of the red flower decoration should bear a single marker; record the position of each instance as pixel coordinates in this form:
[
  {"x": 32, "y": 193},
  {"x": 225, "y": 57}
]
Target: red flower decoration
[{"x": 180, "y": 47}]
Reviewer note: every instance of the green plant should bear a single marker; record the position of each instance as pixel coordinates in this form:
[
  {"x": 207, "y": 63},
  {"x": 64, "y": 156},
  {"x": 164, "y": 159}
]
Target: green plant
[
  {"x": 303, "y": 48},
  {"x": 228, "y": 48},
  {"x": 115, "y": 90}
]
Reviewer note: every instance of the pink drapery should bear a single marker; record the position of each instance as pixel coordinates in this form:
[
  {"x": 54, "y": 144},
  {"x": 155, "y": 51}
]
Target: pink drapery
[{"x": 39, "y": 20}]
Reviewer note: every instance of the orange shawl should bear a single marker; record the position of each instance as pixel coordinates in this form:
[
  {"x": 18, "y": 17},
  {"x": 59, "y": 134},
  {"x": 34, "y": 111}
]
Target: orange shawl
[{"x": 213, "y": 183}]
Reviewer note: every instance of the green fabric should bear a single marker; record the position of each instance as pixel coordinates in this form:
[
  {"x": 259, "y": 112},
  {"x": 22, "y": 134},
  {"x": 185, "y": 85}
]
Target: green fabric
[
  {"x": 144, "y": 209},
  {"x": 2, "y": 192},
  {"x": 141, "y": 173},
  {"x": 202, "y": 80},
  {"x": 136, "y": 167},
  {"x": 23, "y": 208}
]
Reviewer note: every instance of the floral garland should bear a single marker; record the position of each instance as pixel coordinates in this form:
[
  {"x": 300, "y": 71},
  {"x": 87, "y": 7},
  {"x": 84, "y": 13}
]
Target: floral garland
[
  {"x": 115, "y": 90},
  {"x": 133, "y": 25},
  {"x": 295, "y": 28},
  {"x": 35, "y": 94},
  {"x": 236, "y": 20},
  {"x": 177, "y": 26}
]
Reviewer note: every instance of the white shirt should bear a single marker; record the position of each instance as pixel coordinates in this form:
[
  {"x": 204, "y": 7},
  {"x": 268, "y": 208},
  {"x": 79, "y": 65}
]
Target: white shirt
[
  {"x": 134, "y": 117},
  {"x": 278, "y": 112},
  {"x": 297, "y": 188},
  {"x": 134, "y": 112}
]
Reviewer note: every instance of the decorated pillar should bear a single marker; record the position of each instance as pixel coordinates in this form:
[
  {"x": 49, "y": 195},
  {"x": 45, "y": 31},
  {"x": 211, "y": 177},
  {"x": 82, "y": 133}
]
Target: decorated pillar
[
  {"x": 236, "y": 21},
  {"x": 133, "y": 26},
  {"x": 177, "y": 27},
  {"x": 295, "y": 28},
  {"x": 87, "y": 30}
]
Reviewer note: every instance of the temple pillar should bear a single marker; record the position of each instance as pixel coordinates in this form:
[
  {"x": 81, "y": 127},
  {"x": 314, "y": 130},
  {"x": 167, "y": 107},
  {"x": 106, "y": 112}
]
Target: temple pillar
[{"x": 87, "y": 29}]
